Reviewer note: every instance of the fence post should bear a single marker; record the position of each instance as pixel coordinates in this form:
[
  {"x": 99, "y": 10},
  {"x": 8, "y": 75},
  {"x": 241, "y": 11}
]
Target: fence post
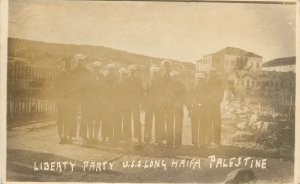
[{"x": 29, "y": 90}]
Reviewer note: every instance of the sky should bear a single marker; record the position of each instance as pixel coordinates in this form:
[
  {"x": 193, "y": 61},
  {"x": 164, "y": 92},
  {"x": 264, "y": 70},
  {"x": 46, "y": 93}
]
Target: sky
[{"x": 183, "y": 31}]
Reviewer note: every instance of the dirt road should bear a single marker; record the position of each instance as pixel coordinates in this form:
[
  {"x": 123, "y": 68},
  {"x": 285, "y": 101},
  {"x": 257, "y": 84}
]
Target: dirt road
[{"x": 38, "y": 143}]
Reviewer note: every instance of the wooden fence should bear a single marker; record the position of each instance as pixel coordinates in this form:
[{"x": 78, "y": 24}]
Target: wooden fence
[
  {"x": 30, "y": 92},
  {"x": 284, "y": 105}
]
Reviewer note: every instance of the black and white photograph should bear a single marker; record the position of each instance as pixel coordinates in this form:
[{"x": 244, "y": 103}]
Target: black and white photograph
[{"x": 151, "y": 91}]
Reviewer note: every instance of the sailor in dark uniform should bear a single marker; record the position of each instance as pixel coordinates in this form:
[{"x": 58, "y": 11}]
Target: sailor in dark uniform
[
  {"x": 177, "y": 102},
  {"x": 97, "y": 108},
  {"x": 65, "y": 103},
  {"x": 122, "y": 125},
  {"x": 110, "y": 103},
  {"x": 198, "y": 108},
  {"x": 215, "y": 98},
  {"x": 136, "y": 97},
  {"x": 84, "y": 83},
  {"x": 167, "y": 121},
  {"x": 151, "y": 104}
]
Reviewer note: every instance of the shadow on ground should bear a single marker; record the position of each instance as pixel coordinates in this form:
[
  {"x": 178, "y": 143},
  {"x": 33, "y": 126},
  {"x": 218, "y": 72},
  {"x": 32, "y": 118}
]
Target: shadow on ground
[{"x": 152, "y": 150}]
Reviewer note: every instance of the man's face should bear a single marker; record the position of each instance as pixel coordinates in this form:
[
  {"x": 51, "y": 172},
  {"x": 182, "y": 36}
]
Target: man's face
[
  {"x": 199, "y": 79},
  {"x": 132, "y": 72},
  {"x": 67, "y": 66},
  {"x": 166, "y": 68},
  {"x": 124, "y": 75},
  {"x": 155, "y": 75},
  {"x": 83, "y": 64},
  {"x": 213, "y": 74},
  {"x": 175, "y": 77},
  {"x": 112, "y": 71},
  {"x": 97, "y": 69}
]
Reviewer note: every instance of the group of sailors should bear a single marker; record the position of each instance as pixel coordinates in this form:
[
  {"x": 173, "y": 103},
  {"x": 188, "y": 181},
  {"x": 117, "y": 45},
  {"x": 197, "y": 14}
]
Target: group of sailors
[{"x": 110, "y": 105}]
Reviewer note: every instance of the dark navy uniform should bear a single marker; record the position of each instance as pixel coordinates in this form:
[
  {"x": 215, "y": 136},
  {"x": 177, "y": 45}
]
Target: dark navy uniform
[
  {"x": 99, "y": 104},
  {"x": 167, "y": 124},
  {"x": 215, "y": 98},
  {"x": 83, "y": 84},
  {"x": 136, "y": 95},
  {"x": 198, "y": 108},
  {"x": 110, "y": 105},
  {"x": 152, "y": 105},
  {"x": 176, "y": 121},
  {"x": 122, "y": 127},
  {"x": 91, "y": 107},
  {"x": 66, "y": 105}
]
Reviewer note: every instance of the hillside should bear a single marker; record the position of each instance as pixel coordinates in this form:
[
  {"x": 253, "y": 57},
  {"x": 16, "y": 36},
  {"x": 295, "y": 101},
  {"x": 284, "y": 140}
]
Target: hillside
[
  {"x": 281, "y": 62},
  {"x": 42, "y": 53}
]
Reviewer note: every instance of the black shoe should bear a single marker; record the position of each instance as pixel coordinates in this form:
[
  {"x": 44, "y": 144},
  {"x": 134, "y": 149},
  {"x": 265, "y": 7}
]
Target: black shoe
[
  {"x": 202, "y": 145},
  {"x": 95, "y": 141},
  {"x": 177, "y": 146},
  {"x": 169, "y": 145},
  {"x": 139, "y": 141},
  {"x": 84, "y": 138},
  {"x": 115, "y": 143},
  {"x": 127, "y": 141},
  {"x": 103, "y": 141},
  {"x": 61, "y": 141},
  {"x": 214, "y": 145},
  {"x": 147, "y": 139},
  {"x": 68, "y": 141}
]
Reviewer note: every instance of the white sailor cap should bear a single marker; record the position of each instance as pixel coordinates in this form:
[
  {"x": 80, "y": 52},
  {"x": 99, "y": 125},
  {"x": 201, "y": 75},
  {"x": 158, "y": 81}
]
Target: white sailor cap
[
  {"x": 200, "y": 75},
  {"x": 111, "y": 66},
  {"x": 154, "y": 69},
  {"x": 96, "y": 64},
  {"x": 165, "y": 62},
  {"x": 123, "y": 71},
  {"x": 80, "y": 56},
  {"x": 132, "y": 67},
  {"x": 174, "y": 73},
  {"x": 211, "y": 68}
]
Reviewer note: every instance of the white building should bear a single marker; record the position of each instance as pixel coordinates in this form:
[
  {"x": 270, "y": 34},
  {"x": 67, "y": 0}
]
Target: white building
[
  {"x": 287, "y": 64},
  {"x": 230, "y": 59}
]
